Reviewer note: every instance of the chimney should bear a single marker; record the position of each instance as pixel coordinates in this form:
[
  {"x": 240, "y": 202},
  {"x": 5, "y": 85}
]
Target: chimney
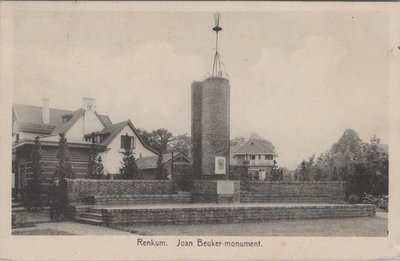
[
  {"x": 46, "y": 111},
  {"x": 89, "y": 104}
]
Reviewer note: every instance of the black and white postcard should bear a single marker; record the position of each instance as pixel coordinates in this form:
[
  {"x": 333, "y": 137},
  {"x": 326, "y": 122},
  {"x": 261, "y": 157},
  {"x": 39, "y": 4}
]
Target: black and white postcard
[{"x": 199, "y": 130}]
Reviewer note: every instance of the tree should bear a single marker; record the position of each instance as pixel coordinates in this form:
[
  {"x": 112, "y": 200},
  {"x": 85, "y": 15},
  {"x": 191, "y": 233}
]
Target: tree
[
  {"x": 157, "y": 139},
  {"x": 181, "y": 143},
  {"x": 265, "y": 142},
  {"x": 276, "y": 172},
  {"x": 160, "y": 139},
  {"x": 238, "y": 141},
  {"x": 64, "y": 167},
  {"x": 92, "y": 158},
  {"x": 95, "y": 165},
  {"x": 304, "y": 172},
  {"x": 287, "y": 174},
  {"x": 364, "y": 165},
  {"x": 34, "y": 188},
  {"x": 145, "y": 135},
  {"x": 100, "y": 167},
  {"x": 160, "y": 171},
  {"x": 377, "y": 167},
  {"x": 350, "y": 141},
  {"x": 129, "y": 169},
  {"x": 375, "y": 139}
]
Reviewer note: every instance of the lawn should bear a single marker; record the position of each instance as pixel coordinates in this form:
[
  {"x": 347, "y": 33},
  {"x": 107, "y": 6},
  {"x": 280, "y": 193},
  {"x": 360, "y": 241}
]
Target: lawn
[{"x": 347, "y": 227}]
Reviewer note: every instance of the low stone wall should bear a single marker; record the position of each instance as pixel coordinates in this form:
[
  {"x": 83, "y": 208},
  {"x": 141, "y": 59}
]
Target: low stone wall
[
  {"x": 80, "y": 188},
  {"x": 294, "y": 191},
  {"x": 237, "y": 172},
  {"x": 234, "y": 214},
  {"x": 215, "y": 191},
  {"x": 181, "y": 175},
  {"x": 246, "y": 197},
  {"x": 180, "y": 198}
]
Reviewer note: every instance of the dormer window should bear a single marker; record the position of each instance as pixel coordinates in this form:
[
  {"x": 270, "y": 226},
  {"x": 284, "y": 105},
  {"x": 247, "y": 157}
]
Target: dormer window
[
  {"x": 98, "y": 138},
  {"x": 66, "y": 118}
]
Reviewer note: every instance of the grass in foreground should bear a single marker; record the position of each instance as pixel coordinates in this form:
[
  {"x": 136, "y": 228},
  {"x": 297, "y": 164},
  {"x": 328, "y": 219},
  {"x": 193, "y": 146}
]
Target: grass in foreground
[
  {"x": 42, "y": 232},
  {"x": 346, "y": 227}
]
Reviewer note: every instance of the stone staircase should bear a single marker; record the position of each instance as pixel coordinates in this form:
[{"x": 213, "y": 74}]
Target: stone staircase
[
  {"x": 92, "y": 216},
  {"x": 16, "y": 205},
  {"x": 88, "y": 212}
]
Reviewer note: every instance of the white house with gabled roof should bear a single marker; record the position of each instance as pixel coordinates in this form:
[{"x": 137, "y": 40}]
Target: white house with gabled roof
[
  {"x": 78, "y": 127},
  {"x": 258, "y": 156},
  {"x": 113, "y": 137}
]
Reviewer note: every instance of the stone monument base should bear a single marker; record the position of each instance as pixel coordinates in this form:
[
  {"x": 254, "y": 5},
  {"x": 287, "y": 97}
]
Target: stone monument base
[{"x": 215, "y": 191}]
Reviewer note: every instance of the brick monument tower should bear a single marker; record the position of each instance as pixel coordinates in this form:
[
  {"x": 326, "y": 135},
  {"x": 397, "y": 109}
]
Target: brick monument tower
[
  {"x": 211, "y": 136},
  {"x": 211, "y": 128}
]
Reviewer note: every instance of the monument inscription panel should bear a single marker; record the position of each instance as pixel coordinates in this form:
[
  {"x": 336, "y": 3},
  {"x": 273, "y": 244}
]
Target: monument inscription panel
[{"x": 225, "y": 187}]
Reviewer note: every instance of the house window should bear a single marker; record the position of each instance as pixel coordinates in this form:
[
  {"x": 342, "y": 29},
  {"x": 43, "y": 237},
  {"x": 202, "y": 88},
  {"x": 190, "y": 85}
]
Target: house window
[
  {"x": 128, "y": 141},
  {"x": 66, "y": 118},
  {"x": 253, "y": 157},
  {"x": 220, "y": 165},
  {"x": 97, "y": 138}
]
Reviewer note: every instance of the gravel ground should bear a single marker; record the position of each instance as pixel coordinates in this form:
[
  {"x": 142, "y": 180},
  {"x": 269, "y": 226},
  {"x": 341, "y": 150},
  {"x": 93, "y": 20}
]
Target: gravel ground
[
  {"x": 366, "y": 227},
  {"x": 67, "y": 228},
  {"x": 41, "y": 232}
]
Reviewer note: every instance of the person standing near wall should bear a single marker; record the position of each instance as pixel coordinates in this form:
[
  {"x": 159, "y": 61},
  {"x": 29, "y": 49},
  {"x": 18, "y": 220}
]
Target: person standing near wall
[
  {"x": 62, "y": 197},
  {"x": 54, "y": 197}
]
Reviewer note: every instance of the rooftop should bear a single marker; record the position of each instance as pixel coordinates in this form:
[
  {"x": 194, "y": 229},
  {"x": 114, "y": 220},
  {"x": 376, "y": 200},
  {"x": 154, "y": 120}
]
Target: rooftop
[
  {"x": 254, "y": 146},
  {"x": 30, "y": 119}
]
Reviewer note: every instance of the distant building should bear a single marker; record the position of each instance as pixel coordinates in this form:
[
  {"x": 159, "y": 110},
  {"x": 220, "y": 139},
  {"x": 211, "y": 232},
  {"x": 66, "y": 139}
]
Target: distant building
[
  {"x": 258, "y": 156},
  {"x": 77, "y": 126},
  {"x": 148, "y": 165}
]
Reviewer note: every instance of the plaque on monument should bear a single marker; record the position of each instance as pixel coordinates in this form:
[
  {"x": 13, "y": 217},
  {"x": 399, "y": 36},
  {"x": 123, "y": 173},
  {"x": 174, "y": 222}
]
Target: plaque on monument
[
  {"x": 220, "y": 163},
  {"x": 225, "y": 187}
]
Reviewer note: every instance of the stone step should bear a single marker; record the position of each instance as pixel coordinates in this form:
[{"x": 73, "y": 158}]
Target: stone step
[
  {"x": 94, "y": 211},
  {"x": 18, "y": 209},
  {"x": 141, "y": 199},
  {"x": 91, "y": 215},
  {"x": 234, "y": 214},
  {"x": 16, "y": 204},
  {"x": 89, "y": 221}
]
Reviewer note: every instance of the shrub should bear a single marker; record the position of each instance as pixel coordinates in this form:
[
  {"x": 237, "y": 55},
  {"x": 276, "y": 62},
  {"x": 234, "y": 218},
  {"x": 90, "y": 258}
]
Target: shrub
[
  {"x": 353, "y": 199},
  {"x": 129, "y": 169},
  {"x": 64, "y": 167},
  {"x": 381, "y": 202},
  {"x": 34, "y": 187},
  {"x": 384, "y": 202}
]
